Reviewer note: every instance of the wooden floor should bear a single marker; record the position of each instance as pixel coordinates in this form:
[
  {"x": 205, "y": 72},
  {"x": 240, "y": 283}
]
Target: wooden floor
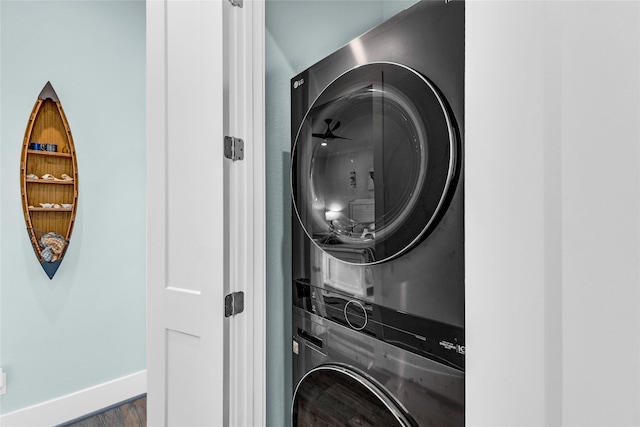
[{"x": 128, "y": 414}]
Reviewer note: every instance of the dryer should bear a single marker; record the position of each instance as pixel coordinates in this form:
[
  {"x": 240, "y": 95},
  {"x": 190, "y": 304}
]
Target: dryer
[{"x": 376, "y": 178}]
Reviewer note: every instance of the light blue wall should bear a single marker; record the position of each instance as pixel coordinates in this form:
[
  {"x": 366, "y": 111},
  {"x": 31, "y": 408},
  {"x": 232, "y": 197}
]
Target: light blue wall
[
  {"x": 87, "y": 325},
  {"x": 298, "y": 34}
]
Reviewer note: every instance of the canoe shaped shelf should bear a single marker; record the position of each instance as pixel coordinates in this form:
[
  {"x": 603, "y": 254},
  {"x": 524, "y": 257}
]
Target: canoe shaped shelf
[{"x": 49, "y": 180}]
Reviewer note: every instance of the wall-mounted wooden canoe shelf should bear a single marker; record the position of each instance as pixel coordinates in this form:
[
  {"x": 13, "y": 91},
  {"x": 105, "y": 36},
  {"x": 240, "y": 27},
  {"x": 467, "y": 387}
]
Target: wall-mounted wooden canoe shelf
[{"x": 49, "y": 177}]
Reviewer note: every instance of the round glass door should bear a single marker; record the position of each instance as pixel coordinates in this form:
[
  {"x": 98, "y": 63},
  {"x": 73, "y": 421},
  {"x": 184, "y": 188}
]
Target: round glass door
[
  {"x": 333, "y": 395},
  {"x": 372, "y": 163}
]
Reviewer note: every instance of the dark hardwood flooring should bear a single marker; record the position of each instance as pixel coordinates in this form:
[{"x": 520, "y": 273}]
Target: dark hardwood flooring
[{"x": 128, "y": 414}]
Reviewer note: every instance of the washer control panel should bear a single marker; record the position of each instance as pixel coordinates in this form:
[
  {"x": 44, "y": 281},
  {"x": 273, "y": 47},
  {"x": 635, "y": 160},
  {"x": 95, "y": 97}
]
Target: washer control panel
[{"x": 436, "y": 340}]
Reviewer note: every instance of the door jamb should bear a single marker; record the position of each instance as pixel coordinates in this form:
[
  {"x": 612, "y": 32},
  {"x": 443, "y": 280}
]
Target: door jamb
[{"x": 246, "y": 332}]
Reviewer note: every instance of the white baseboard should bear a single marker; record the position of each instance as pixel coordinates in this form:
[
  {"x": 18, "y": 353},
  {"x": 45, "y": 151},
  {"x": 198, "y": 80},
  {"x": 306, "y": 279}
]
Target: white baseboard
[{"x": 78, "y": 404}]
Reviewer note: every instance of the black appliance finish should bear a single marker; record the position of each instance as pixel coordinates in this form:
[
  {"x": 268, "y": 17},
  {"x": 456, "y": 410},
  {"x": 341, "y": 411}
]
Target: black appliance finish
[
  {"x": 346, "y": 378},
  {"x": 378, "y": 244}
]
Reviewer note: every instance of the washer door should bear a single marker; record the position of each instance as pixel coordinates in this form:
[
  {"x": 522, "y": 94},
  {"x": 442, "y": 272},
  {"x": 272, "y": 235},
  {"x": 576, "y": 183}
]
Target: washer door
[
  {"x": 373, "y": 162},
  {"x": 333, "y": 395}
]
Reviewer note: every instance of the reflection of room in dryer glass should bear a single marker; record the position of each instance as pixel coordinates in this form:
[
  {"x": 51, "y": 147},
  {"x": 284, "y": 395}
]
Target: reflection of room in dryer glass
[{"x": 368, "y": 159}]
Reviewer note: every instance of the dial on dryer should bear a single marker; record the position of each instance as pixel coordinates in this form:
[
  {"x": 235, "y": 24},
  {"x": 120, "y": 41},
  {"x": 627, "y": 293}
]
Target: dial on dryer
[{"x": 373, "y": 162}]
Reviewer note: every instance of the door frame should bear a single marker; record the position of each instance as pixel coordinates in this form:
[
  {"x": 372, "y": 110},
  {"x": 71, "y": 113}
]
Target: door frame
[{"x": 246, "y": 213}]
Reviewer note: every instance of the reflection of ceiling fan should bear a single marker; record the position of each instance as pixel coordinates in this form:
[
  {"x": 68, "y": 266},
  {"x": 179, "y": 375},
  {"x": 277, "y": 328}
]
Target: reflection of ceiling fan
[{"x": 328, "y": 134}]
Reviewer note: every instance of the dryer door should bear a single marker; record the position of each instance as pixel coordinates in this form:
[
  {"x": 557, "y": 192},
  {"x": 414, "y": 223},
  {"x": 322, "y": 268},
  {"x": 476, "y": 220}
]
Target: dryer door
[
  {"x": 334, "y": 395},
  {"x": 373, "y": 163}
]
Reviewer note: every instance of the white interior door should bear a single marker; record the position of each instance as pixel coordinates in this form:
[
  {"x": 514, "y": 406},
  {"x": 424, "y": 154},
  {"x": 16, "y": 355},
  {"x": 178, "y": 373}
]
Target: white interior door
[
  {"x": 186, "y": 257},
  {"x": 205, "y": 214}
]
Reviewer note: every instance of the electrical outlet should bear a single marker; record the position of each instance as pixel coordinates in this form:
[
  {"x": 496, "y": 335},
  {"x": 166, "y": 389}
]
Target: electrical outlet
[{"x": 3, "y": 382}]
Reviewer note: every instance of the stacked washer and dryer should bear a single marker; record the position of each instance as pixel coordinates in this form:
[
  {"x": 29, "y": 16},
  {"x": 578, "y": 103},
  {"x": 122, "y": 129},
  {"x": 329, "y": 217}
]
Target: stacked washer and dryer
[{"x": 378, "y": 244}]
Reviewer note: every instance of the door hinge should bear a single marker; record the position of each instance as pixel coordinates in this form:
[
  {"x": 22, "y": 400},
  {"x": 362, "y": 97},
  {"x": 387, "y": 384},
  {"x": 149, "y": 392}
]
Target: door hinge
[
  {"x": 233, "y": 148},
  {"x": 233, "y": 304},
  {"x": 236, "y": 3}
]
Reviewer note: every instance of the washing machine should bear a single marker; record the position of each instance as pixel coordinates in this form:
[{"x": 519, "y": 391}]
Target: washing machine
[
  {"x": 378, "y": 229},
  {"x": 346, "y": 377}
]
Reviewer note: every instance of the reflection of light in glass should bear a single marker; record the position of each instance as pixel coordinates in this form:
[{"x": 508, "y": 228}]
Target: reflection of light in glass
[
  {"x": 332, "y": 215},
  {"x": 323, "y": 143},
  {"x": 335, "y": 207}
]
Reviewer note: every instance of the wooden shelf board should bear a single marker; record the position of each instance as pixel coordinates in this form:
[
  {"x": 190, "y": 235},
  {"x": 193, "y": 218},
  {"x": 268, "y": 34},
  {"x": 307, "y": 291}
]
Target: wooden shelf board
[
  {"x": 48, "y": 181},
  {"x": 49, "y": 153},
  {"x": 50, "y": 209}
]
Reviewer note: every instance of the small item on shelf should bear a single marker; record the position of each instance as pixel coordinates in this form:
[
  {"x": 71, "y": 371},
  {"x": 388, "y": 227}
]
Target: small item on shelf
[
  {"x": 47, "y": 254},
  {"x": 53, "y": 245},
  {"x": 46, "y": 205},
  {"x": 57, "y": 206},
  {"x": 33, "y": 176},
  {"x": 66, "y": 177},
  {"x": 67, "y": 205},
  {"x": 48, "y": 176}
]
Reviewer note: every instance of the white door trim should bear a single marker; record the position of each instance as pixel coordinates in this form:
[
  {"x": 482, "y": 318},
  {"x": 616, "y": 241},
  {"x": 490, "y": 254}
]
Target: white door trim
[{"x": 245, "y": 333}]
